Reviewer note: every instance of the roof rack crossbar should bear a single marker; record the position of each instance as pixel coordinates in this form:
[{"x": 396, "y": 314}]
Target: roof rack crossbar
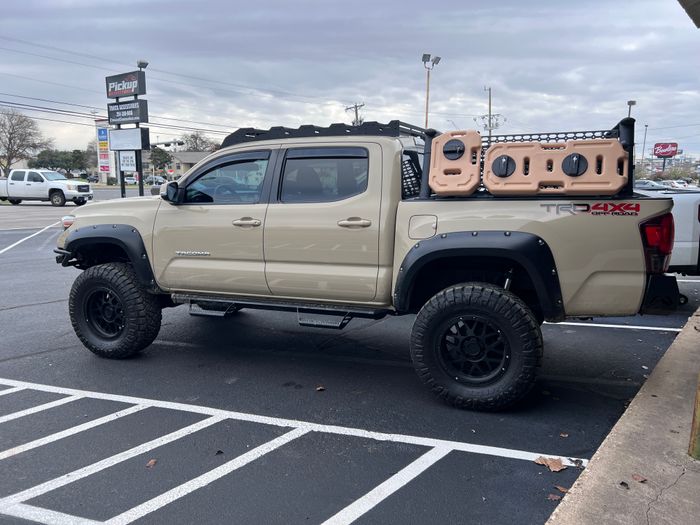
[{"x": 395, "y": 128}]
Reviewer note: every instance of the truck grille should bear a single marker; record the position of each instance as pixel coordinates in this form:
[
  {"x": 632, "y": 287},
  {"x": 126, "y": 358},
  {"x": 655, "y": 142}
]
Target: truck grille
[{"x": 84, "y": 188}]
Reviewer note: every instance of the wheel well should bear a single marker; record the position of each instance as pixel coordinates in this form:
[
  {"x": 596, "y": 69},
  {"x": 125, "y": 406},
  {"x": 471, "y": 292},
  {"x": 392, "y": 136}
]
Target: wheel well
[
  {"x": 442, "y": 273},
  {"x": 54, "y": 190},
  {"x": 99, "y": 253}
]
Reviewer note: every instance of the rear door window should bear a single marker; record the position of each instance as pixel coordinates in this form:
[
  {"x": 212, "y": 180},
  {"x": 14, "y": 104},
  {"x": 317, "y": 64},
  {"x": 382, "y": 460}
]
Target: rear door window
[
  {"x": 17, "y": 176},
  {"x": 324, "y": 174}
]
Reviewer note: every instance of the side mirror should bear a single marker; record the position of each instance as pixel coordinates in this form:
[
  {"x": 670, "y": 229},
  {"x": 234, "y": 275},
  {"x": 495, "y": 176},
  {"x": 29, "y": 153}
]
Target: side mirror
[{"x": 172, "y": 193}]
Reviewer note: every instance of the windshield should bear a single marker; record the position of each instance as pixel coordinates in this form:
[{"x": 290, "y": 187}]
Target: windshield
[{"x": 52, "y": 175}]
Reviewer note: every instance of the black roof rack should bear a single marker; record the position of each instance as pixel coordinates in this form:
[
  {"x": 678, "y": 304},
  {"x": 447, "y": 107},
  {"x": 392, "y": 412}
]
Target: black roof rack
[{"x": 395, "y": 128}]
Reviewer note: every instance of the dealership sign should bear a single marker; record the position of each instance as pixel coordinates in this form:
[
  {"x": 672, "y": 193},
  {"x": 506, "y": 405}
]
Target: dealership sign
[
  {"x": 665, "y": 149},
  {"x": 126, "y": 84},
  {"x": 128, "y": 112},
  {"x": 103, "y": 150}
]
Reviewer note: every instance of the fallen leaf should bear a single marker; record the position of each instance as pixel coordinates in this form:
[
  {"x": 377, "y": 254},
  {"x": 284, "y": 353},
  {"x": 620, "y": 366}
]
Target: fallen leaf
[
  {"x": 219, "y": 452},
  {"x": 639, "y": 478},
  {"x": 151, "y": 463},
  {"x": 553, "y": 464},
  {"x": 561, "y": 489},
  {"x": 563, "y": 434},
  {"x": 553, "y": 497},
  {"x": 624, "y": 485},
  {"x": 320, "y": 388}
]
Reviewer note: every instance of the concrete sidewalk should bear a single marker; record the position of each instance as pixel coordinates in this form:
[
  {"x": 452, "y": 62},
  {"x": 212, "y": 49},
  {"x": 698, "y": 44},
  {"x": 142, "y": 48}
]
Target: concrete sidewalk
[{"x": 642, "y": 472}]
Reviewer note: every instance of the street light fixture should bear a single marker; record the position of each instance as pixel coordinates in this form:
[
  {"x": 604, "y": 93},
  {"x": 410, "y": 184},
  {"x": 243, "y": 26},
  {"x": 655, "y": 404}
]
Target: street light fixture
[
  {"x": 630, "y": 103},
  {"x": 142, "y": 64},
  {"x": 428, "y": 64}
]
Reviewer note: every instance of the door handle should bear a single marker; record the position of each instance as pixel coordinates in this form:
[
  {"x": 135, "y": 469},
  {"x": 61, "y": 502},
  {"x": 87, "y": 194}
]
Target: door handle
[
  {"x": 355, "y": 222},
  {"x": 246, "y": 222}
]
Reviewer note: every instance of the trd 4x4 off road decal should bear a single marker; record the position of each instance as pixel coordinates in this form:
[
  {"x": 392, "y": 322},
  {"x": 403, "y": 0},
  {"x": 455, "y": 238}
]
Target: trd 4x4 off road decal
[{"x": 597, "y": 208}]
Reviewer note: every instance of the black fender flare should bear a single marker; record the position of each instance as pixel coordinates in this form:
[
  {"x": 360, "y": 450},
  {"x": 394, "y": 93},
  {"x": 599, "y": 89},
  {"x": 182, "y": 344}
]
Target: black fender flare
[
  {"x": 526, "y": 249},
  {"x": 124, "y": 236}
]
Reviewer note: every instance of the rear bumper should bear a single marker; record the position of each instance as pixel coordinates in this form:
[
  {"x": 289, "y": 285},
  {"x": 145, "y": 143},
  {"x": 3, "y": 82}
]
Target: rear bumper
[{"x": 661, "y": 296}]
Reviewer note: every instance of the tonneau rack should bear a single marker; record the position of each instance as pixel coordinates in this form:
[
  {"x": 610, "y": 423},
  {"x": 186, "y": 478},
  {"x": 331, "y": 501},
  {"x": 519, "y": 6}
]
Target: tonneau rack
[
  {"x": 623, "y": 131},
  {"x": 395, "y": 128}
]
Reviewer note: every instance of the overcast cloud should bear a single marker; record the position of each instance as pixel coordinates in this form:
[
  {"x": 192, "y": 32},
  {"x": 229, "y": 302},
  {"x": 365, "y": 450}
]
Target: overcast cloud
[{"x": 552, "y": 65}]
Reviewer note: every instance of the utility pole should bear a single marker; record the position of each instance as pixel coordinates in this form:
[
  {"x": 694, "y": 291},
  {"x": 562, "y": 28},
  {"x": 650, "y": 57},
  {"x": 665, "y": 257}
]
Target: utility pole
[
  {"x": 356, "y": 107},
  {"x": 490, "y": 121}
]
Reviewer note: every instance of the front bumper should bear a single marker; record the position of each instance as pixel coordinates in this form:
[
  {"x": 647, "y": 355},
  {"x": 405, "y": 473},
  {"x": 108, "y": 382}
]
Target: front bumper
[
  {"x": 661, "y": 296},
  {"x": 74, "y": 194}
]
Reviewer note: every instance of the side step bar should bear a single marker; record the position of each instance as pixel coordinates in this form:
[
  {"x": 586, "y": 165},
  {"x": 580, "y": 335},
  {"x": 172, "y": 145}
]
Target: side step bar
[{"x": 333, "y": 316}]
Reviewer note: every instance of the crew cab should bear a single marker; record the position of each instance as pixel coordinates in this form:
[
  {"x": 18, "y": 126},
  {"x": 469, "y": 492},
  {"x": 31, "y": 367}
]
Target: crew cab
[
  {"x": 43, "y": 185},
  {"x": 346, "y": 221}
]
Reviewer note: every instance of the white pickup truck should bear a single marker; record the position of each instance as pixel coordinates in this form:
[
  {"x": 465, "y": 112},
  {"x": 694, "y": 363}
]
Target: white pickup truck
[
  {"x": 685, "y": 258},
  {"x": 43, "y": 185}
]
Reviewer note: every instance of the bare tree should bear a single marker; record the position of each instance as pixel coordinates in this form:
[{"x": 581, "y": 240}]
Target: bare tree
[
  {"x": 19, "y": 138},
  {"x": 196, "y": 141}
]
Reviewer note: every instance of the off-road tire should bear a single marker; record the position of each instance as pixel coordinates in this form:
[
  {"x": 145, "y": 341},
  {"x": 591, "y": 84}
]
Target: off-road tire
[
  {"x": 140, "y": 311},
  {"x": 57, "y": 198},
  {"x": 15, "y": 202},
  {"x": 510, "y": 320}
]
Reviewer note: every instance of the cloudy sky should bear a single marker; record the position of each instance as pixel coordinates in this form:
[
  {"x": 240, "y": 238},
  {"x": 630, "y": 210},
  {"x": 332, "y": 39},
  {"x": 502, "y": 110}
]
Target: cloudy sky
[{"x": 218, "y": 65}]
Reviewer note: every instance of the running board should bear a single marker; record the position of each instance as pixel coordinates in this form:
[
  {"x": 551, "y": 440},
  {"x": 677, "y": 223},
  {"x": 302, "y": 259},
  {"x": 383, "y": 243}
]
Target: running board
[
  {"x": 341, "y": 314},
  {"x": 335, "y": 322}
]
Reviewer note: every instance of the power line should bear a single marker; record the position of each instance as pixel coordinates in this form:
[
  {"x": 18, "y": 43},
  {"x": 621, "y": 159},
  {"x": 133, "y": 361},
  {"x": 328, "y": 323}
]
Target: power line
[{"x": 70, "y": 113}]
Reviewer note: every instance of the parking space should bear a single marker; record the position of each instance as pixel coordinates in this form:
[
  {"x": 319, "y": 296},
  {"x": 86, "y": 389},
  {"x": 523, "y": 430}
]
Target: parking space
[{"x": 254, "y": 419}]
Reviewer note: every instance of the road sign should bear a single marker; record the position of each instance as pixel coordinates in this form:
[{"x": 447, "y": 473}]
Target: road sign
[
  {"x": 665, "y": 149},
  {"x": 128, "y": 112},
  {"x": 127, "y": 161},
  {"x": 126, "y": 84},
  {"x": 103, "y": 164}
]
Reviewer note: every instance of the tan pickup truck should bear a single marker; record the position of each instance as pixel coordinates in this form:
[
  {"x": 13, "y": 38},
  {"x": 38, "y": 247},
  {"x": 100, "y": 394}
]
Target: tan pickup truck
[{"x": 343, "y": 222}]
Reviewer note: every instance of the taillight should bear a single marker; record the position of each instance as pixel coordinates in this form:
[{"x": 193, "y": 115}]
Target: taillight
[{"x": 657, "y": 238}]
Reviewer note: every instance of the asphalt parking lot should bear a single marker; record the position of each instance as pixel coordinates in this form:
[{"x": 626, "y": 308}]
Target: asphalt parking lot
[{"x": 254, "y": 419}]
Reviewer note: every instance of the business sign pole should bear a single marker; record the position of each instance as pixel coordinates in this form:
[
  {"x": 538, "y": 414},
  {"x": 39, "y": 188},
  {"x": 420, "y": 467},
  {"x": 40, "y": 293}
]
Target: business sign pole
[{"x": 128, "y": 143}]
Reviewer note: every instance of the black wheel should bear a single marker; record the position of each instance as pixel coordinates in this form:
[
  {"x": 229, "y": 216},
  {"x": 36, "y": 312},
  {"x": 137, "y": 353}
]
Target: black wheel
[
  {"x": 79, "y": 202},
  {"x": 111, "y": 313},
  {"x": 15, "y": 202},
  {"x": 57, "y": 198},
  {"x": 477, "y": 346}
]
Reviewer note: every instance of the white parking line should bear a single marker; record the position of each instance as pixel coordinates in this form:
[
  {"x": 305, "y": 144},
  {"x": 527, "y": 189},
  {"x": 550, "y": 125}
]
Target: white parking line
[
  {"x": 50, "y": 517},
  {"x": 39, "y": 408},
  {"x": 204, "y": 480},
  {"x": 311, "y": 427},
  {"x": 387, "y": 488},
  {"x": 623, "y": 326},
  {"x": 15, "y": 504},
  {"x": 89, "y": 470},
  {"x": 10, "y": 390},
  {"x": 29, "y": 237},
  {"x": 69, "y": 432}
]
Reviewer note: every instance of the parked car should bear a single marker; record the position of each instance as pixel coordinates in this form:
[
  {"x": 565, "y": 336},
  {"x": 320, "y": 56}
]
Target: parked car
[
  {"x": 646, "y": 184},
  {"x": 675, "y": 184},
  {"x": 685, "y": 257},
  {"x": 93, "y": 178},
  {"x": 130, "y": 180},
  {"x": 43, "y": 185},
  {"x": 154, "y": 180},
  {"x": 345, "y": 225}
]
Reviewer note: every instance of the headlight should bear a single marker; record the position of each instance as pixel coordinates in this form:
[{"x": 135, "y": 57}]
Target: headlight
[{"x": 71, "y": 187}]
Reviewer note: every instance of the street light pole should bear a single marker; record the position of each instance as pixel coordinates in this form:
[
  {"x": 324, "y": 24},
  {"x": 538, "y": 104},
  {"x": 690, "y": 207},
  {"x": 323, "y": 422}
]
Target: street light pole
[
  {"x": 630, "y": 103},
  {"x": 428, "y": 64},
  {"x": 644, "y": 144}
]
